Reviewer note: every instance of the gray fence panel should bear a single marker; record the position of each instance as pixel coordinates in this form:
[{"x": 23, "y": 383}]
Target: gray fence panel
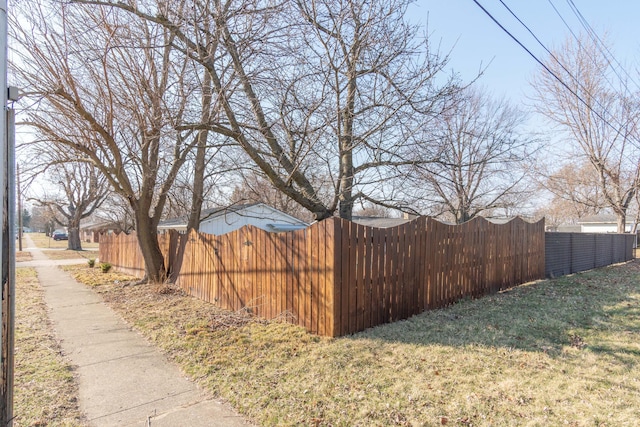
[
  {"x": 568, "y": 253},
  {"x": 557, "y": 254},
  {"x": 604, "y": 250},
  {"x": 583, "y": 252}
]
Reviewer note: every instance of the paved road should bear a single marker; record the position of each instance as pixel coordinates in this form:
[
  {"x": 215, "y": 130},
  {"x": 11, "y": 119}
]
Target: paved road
[{"x": 123, "y": 380}]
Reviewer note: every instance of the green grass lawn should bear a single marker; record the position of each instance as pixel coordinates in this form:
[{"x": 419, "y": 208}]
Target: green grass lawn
[
  {"x": 45, "y": 388},
  {"x": 556, "y": 352}
]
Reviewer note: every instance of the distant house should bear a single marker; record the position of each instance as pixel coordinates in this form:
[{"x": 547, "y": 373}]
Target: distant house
[
  {"x": 91, "y": 231},
  {"x": 567, "y": 228},
  {"x": 603, "y": 223},
  {"x": 224, "y": 220}
]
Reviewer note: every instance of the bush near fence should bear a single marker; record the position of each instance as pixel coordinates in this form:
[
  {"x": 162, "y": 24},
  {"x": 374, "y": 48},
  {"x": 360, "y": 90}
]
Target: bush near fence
[{"x": 337, "y": 277}]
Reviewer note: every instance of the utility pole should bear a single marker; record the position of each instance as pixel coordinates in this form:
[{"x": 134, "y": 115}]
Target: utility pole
[
  {"x": 8, "y": 269},
  {"x": 19, "y": 199},
  {"x": 7, "y": 230}
]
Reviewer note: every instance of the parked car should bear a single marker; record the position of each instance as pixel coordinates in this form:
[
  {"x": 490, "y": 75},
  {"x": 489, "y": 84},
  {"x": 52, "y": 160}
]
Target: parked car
[{"x": 60, "y": 235}]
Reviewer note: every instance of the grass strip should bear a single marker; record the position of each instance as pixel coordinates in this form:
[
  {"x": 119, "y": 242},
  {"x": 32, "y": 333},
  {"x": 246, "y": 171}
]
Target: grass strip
[
  {"x": 556, "y": 352},
  {"x": 23, "y": 256},
  {"x": 45, "y": 388},
  {"x": 67, "y": 254},
  {"x": 43, "y": 241}
]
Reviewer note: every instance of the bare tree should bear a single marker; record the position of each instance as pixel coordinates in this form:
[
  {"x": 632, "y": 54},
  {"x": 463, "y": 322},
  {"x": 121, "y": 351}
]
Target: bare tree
[
  {"x": 203, "y": 183},
  {"x": 255, "y": 188},
  {"x": 82, "y": 190},
  {"x": 116, "y": 212},
  {"x": 368, "y": 209},
  {"x": 329, "y": 88},
  {"x": 597, "y": 119},
  {"x": 575, "y": 192},
  {"x": 480, "y": 163},
  {"x": 42, "y": 219},
  {"x": 111, "y": 90},
  {"x": 206, "y": 166}
]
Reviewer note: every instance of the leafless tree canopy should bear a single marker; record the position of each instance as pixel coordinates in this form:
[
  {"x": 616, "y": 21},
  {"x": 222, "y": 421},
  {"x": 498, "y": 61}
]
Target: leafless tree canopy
[
  {"x": 596, "y": 117},
  {"x": 575, "y": 193},
  {"x": 329, "y": 102},
  {"x": 84, "y": 191},
  {"x": 255, "y": 188},
  {"x": 313, "y": 91},
  {"x": 111, "y": 90},
  {"x": 480, "y": 164},
  {"x": 116, "y": 212}
]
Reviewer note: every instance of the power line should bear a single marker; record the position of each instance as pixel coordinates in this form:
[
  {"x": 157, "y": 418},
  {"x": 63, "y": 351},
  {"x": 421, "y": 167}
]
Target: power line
[
  {"x": 543, "y": 46},
  {"x": 555, "y": 58},
  {"x": 591, "y": 33},
  {"x": 601, "y": 45},
  {"x": 545, "y": 66}
]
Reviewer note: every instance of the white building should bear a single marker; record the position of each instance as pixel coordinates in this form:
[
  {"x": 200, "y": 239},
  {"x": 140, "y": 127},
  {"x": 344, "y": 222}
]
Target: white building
[
  {"x": 604, "y": 223},
  {"x": 224, "y": 220}
]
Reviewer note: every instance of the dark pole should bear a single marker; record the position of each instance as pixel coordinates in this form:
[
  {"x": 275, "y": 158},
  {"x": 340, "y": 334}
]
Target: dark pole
[
  {"x": 7, "y": 230},
  {"x": 19, "y": 200},
  {"x": 8, "y": 272}
]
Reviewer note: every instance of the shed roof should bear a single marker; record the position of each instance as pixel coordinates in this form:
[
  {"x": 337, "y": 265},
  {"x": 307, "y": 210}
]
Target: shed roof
[
  {"x": 211, "y": 214},
  {"x": 598, "y": 219}
]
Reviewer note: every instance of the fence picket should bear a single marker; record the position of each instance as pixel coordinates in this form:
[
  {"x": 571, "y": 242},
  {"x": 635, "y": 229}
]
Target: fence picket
[
  {"x": 377, "y": 267},
  {"x": 345, "y": 287},
  {"x": 367, "y": 248}
]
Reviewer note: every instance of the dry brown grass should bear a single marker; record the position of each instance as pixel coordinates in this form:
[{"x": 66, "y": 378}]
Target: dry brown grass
[
  {"x": 67, "y": 254},
  {"x": 41, "y": 240},
  {"x": 23, "y": 256},
  {"x": 45, "y": 388},
  {"x": 558, "y": 352}
]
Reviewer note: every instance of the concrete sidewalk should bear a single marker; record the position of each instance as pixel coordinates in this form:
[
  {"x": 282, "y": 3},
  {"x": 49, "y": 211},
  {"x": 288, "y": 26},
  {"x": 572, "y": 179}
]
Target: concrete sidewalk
[{"x": 124, "y": 381}]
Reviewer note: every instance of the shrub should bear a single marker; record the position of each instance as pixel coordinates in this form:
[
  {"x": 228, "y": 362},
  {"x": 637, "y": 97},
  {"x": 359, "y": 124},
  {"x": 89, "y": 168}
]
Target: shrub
[
  {"x": 105, "y": 267},
  {"x": 91, "y": 262}
]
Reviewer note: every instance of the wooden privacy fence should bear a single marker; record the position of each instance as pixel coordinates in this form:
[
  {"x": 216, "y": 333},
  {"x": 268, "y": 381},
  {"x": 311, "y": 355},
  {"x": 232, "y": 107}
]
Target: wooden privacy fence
[{"x": 337, "y": 277}]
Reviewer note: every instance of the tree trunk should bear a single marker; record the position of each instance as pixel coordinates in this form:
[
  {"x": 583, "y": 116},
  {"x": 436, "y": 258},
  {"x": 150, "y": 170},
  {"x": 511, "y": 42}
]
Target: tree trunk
[
  {"x": 154, "y": 268},
  {"x": 201, "y": 153},
  {"x": 198, "y": 183},
  {"x": 74, "y": 243},
  {"x": 347, "y": 172},
  {"x": 462, "y": 216},
  {"x": 621, "y": 220},
  {"x": 346, "y": 185}
]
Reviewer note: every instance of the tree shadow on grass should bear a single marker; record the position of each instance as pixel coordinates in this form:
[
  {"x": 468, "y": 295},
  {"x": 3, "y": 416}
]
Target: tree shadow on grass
[{"x": 596, "y": 311}]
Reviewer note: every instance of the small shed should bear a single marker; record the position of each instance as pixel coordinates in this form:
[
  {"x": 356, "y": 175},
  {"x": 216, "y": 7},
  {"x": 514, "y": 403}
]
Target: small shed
[{"x": 224, "y": 220}]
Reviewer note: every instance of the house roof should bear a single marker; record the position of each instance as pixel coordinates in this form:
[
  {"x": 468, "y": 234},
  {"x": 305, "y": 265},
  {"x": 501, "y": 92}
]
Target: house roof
[
  {"x": 598, "y": 219},
  {"x": 98, "y": 225},
  {"x": 208, "y": 214},
  {"x": 211, "y": 214},
  {"x": 568, "y": 228}
]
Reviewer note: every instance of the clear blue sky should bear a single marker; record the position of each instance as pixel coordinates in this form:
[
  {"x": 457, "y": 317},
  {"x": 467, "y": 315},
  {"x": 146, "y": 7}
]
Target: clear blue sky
[{"x": 462, "y": 26}]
